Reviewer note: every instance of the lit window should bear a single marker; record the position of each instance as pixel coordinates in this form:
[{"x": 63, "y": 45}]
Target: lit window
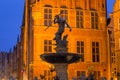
[
  {"x": 48, "y": 75},
  {"x": 92, "y": 4},
  {"x": 80, "y": 49},
  {"x": 64, "y": 14},
  {"x": 95, "y": 52},
  {"x": 79, "y": 19},
  {"x": 47, "y": 46},
  {"x": 119, "y": 44},
  {"x": 48, "y": 16},
  {"x": 80, "y": 73},
  {"x": 32, "y": 1},
  {"x": 97, "y": 75},
  {"x": 103, "y": 5},
  {"x": 94, "y": 20},
  {"x": 85, "y": 4},
  {"x": 113, "y": 59},
  {"x": 119, "y": 24}
]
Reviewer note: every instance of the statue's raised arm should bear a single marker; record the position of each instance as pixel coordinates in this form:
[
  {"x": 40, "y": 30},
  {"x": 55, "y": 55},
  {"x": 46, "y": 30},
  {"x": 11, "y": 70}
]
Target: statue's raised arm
[{"x": 68, "y": 26}]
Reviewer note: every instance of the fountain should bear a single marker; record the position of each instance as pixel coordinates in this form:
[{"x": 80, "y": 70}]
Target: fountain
[{"x": 62, "y": 57}]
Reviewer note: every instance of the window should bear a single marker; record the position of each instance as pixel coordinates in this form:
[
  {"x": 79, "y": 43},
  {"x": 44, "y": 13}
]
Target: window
[
  {"x": 48, "y": 75},
  {"x": 85, "y": 4},
  {"x": 103, "y": 4},
  {"x": 48, "y": 16},
  {"x": 80, "y": 73},
  {"x": 32, "y": 1},
  {"x": 94, "y": 20},
  {"x": 47, "y": 46},
  {"x": 92, "y": 4},
  {"x": 114, "y": 71},
  {"x": 97, "y": 75},
  {"x": 119, "y": 24},
  {"x": 64, "y": 14},
  {"x": 80, "y": 49},
  {"x": 113, "y": 59},
  {"x": 79, "y": 19},
  {"x": 95, "y": 52},
  {"x": 119, "y": 44}
]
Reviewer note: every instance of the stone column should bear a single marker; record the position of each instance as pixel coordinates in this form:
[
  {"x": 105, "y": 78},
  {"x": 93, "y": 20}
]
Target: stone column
[{"x": 61, "y": 71}]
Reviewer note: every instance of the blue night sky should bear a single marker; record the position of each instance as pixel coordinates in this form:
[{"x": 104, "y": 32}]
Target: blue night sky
[{"x": 11, "y": 12}]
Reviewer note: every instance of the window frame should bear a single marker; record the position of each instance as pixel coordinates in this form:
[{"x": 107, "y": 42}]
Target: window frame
[
  {"x": 80, "y": 49},
  {"x": 48, "y": 75},
  {"x": 95, "y": 52},
  {"x": 119, "y": 24},
  {"x": 79, "y": 73},
  {"x": 79, "y": 19},
  {"x": 64, "y": 13},
  {"x": 47, "y": 46},
  {"x": 47, "y": 16},
  {"x": 118, "y": 43},
  {"x": 97, "y": 75},
  {"x": 94, "y": 20}
]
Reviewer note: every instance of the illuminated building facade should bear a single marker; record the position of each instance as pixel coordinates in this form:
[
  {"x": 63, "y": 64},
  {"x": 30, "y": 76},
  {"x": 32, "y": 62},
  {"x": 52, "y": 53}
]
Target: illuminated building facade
[
  {"x": 116, "y": 17},
  {"x": 88, "y": 37}
]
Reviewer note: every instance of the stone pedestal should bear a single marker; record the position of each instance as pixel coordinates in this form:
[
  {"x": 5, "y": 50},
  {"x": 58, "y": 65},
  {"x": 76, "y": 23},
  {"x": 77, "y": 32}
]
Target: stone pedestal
[
  {"x": 61, "y": 62},
  {"x": 61, "y": 71}
]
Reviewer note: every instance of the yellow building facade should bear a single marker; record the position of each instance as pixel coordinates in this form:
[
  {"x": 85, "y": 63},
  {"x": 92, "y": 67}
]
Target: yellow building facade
[
  {"x": 88, "y": 37},
  {"x": 116, "y": 16}
]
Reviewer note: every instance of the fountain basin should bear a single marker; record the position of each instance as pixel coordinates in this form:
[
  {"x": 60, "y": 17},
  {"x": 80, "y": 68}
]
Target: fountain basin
[{"x": 60, "y": 57}]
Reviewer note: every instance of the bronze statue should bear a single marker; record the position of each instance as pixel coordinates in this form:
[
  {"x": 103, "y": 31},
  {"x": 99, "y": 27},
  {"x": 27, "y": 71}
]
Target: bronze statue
[
  {"x": 61, "y": 26},
  {"x": 62, "y": 23}
]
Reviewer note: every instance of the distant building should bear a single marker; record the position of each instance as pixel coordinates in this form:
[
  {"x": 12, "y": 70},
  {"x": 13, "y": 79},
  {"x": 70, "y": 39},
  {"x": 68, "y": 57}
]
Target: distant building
[
  {"x": 11, "y": 64},
  {"x": 113, "y": 56},
  {"x": 4, "y": 65},
  {"x": 16, "y": 61},
  {"x": 89, "y": 37}
]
